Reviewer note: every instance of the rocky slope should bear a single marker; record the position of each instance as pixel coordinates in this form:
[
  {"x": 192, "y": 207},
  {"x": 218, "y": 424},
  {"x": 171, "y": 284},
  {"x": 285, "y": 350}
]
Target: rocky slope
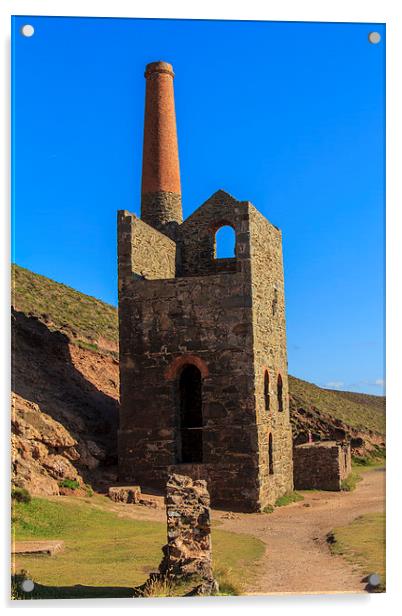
[
  {"x": 65, "y": 410},
  {"x": 65, "y": 392}
]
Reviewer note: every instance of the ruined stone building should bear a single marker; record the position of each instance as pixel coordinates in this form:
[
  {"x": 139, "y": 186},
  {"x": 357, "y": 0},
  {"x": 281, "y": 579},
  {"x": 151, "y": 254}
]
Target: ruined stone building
[
  {"x": 322, "y": 465},
  {"x": 203, "y": 363}
]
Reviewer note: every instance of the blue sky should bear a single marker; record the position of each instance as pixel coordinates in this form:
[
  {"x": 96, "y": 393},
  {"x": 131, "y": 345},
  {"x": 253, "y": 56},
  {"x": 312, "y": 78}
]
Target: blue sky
[{"x": 289, "y": 116}]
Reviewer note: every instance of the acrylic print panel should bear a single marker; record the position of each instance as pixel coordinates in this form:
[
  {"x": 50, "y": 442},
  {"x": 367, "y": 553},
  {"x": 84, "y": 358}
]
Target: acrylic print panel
[{"x": 188, "y": 173}]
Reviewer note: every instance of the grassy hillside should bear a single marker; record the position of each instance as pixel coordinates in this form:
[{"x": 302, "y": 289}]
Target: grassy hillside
[
  {"x": 360, "y": 411},
  {"x": 63, "y": 308},
  {"x": 88, "y": 319}
]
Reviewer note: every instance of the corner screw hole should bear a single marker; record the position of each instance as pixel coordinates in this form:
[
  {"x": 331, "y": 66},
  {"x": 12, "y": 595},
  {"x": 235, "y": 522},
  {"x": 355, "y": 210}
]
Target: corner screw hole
[
  {"x": 374, "y": 38},
  {"x": 27, "y": 30}
]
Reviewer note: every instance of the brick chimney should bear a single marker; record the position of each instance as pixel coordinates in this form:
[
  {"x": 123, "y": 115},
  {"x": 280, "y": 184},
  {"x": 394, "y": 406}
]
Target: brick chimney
[{"x": 161, "y": 191}]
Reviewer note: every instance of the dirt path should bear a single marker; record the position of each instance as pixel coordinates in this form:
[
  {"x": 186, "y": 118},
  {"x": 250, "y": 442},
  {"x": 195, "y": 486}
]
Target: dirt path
[{"x": 297, "y": 558}]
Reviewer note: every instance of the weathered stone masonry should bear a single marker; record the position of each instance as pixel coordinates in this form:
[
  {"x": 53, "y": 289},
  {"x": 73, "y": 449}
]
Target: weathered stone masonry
[
  {"x": 321, "y": 465},
  {"x": 203, "y": 364}
]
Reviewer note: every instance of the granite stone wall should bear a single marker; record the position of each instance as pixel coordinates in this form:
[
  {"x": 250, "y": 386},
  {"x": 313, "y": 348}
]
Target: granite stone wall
[
  {"x": 270, "y": 359},
  {"x": 183, "y": 307},
  {"x": 199, "y": 319},
  {"x": 143, "y": 252},
  {"x": 197, "y": 237},
  {"x": 321, "y": 465}
]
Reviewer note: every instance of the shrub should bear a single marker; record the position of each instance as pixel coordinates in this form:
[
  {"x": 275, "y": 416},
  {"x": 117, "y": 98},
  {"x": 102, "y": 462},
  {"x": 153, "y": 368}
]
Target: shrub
[
  {"x": 89, "y": 490},
  {"x": 268, "y": 509},
  {"x": 160, "y": 587},
  {"x": 374, "y": 458},
  {"x": 21, "y": 495},
  {"x": 289, "y": 497},
  {"x": 223, "y": 576},
  {"x": 72, "y": 484},
  {"x": 349, "y": 484},
  {"x": 87, "y": 345}
]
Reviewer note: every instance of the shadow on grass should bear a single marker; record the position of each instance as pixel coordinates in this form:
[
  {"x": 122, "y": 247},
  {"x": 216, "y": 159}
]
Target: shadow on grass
[{"x": 74, "y": 592}]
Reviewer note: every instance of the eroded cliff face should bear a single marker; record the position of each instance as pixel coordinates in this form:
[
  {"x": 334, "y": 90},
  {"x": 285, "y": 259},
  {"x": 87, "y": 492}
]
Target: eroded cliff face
[
  {"x": 43, "y": 451},
  {"x": 64, "y": 410}
]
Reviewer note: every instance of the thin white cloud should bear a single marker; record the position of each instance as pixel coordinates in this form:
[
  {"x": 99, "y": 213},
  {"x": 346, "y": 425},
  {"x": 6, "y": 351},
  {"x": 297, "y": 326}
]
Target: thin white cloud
[
  {"x": 379, "y": 382},
  {"x": 335, "y": 384}
]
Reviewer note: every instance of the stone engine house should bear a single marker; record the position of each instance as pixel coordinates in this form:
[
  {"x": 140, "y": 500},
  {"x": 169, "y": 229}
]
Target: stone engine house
[{"x": 203, "y": 363}]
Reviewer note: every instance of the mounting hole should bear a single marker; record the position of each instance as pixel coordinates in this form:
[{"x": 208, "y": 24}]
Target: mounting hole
[
  {"x": 374, "y": 579},
  {"x": 27, "y": 585},
  {"x": 27, "y": 30},
  {"x": 374, "y": 38}
]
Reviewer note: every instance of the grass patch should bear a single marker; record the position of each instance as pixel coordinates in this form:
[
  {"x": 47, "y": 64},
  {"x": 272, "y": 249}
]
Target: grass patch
[
  {"x": 72, "y": 484},
  {"x": 107, "y": 556},
  {"x": 89, "y": 490},
  {"x": 349, "y": 484},
  {"x": 363, "y": 542},
  {"x": 290, "y": 497},
  {"x": 375, "y": 459},
  {"x": 91, "y": 346},
  {"x": 282, "y": 501}
]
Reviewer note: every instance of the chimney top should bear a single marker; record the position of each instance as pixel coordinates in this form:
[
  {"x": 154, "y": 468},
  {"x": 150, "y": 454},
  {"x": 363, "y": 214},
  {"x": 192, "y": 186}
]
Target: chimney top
[{"x": 158, "y": 67}]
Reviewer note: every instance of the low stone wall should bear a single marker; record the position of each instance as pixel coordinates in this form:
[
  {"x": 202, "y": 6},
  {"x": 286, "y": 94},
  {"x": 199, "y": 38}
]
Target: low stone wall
[
  {"x": 125, "y": 494},
  {"x": 321, "y": 466}
]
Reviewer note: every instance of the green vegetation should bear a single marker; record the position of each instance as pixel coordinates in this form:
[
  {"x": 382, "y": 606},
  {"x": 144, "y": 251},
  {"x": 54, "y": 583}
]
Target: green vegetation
[
  {"x": 106, "y": 555},
  {"x": 376, "y": 458},
  {"x": 89, "y": 490},
  {"x": 360, "y": 411},
  {"x": 20, "y": 495},
  {"x": 351, "y": 481},
  {"x": 87, "y": 345},
  {"x": 62, "y": 308},
  {"x": 72, "y": 484},
  {"x": 282, "y": 501},
  {"x": 289, "y": 497},
  {"x": 363, "y": 543}
]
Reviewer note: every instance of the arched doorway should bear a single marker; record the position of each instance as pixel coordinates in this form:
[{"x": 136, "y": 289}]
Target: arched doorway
[{"x": 189, "y": 441}]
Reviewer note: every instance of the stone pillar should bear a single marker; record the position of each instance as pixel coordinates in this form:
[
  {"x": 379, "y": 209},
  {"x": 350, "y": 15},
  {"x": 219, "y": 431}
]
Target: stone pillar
[
  {"x": 161, "y": 190},
  {"x": 188, "y": 551}
]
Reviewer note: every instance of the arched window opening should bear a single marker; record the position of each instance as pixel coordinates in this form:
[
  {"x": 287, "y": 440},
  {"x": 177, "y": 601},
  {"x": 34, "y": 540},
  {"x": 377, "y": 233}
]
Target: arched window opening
[
  {"x": 270, "y": 456},
  {"x": 266, "y": 390},
  {"x": 280, "y": 393},
  {"x": 189, "y": 442},
  {"x": 225, "y": 243}
]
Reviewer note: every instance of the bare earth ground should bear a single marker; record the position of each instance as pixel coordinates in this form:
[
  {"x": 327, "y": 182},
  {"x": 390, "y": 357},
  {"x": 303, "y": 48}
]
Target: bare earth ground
[{"x": 297, "y": 557}]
